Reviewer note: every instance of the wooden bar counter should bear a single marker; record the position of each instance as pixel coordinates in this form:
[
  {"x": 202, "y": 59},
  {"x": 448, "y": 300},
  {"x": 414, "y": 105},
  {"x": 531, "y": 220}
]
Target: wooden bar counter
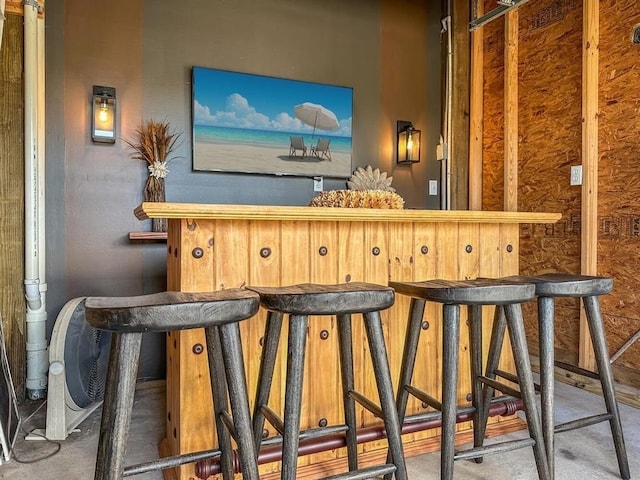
[{"x": 212, "y": 247}]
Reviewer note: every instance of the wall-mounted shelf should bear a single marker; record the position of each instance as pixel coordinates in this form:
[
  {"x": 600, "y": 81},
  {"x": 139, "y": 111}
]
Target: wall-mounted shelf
[{"x": 155, "y": 236}]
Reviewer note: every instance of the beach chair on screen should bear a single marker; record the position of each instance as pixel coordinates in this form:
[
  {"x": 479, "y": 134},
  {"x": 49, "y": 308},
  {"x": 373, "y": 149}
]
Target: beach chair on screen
[
  {"x": 297, "y": 143},
  {"x": 321, "y": 150}
]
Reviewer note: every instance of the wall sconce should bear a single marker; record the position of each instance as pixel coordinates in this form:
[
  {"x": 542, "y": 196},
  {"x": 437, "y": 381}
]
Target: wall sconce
[
  {"x": 408, "y": 144},
  {"x": 103, "y": 115}
]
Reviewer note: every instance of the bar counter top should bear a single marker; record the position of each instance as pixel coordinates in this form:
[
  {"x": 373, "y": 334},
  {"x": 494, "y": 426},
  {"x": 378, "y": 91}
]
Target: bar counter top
[{"x": 149, "y": 210}]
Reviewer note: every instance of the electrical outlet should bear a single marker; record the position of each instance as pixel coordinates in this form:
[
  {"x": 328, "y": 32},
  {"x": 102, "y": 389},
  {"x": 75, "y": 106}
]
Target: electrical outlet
[
  {"x": 576, "y": 175},
  {"x": 317, "y": 184},
  {"x": 433, "y": 187}
]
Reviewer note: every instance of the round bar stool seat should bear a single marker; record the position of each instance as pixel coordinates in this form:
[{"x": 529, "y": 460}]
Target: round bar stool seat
[
  {"x": 475, "y": 294},
  {"x": 127, "y": 318},
  {"x": 549, "y": 286},
  {"x": 298, "y": 302}
]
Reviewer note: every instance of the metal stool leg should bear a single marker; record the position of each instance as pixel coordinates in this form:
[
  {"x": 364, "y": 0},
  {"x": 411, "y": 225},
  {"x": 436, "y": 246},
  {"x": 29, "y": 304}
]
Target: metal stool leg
[
  {"x": 547, "y": 386},
  {"x": 594, "y": 318},
  {"x": 412, "y": 336},
  {"x": 515, "y": 323},
  {"x": 237, "y": 384},
  {"x": 265, "y": 375},
  {"x": 493, "y": 360},
  {"x": 346, "y": 368},
  {"x": 450, "y": 340},
  {"x": 477, "y": 399},
  {"x": 375, "y": 338},
  {"x": 118, "y": 405},
  {"x": 293, "y": 396},
  {"x": 220, "y": 395}
]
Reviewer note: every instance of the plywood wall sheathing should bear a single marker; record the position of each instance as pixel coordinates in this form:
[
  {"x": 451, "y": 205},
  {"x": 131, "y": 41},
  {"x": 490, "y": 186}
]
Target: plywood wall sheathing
[
  {"x": 548, "y": 142},
  {"x": 619, "y": 180}
]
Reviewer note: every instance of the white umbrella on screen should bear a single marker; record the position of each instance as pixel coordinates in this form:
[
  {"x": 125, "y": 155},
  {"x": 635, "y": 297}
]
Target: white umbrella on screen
[{"x": 316, "y": 116}]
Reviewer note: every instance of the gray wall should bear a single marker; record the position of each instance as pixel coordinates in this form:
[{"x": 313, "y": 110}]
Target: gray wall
[{"x": 147, "y": 51}]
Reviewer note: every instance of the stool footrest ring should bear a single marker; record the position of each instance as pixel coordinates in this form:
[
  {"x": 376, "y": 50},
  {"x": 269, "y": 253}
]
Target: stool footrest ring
[
  {"x": 273, "y": 419},
  {"x": 500, "y": 386},
  {"x": 365, "y": 473},
  {"x": 366, "y": 403},
  {"x": 424, "y": 397},
  {"x": 494, "y": 448},
  {"x": 583, "y": 422},
  {"x": 170, "y": 462}
]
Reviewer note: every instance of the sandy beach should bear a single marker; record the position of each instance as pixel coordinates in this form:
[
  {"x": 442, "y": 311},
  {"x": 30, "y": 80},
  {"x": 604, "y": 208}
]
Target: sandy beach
[{"x": 253, "y": 159}]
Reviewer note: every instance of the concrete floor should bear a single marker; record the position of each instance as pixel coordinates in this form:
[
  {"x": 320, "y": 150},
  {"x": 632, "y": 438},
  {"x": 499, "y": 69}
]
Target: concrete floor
[{"x": 585, "y": 454}]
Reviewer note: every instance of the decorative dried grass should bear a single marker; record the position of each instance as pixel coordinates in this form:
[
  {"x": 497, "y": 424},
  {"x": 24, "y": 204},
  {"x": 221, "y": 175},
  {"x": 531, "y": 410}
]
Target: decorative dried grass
[
  {"x": 155, "y": 142},
  {"x": 358, "y": 199}
]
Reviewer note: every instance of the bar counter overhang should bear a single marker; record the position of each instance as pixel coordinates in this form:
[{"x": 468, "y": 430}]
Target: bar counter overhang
[{"x": 211, "y": 247}]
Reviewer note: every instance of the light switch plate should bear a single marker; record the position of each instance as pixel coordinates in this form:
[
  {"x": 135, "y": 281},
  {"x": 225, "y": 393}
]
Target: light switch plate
[
  {"x": 317, "y": 184},
  {"x": 433, "y": 187}
]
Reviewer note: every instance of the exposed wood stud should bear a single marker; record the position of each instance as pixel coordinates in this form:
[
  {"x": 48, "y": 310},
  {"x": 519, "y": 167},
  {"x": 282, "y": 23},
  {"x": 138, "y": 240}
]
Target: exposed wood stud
[
  {"x": 476, "y": 113},
  {"x": 589, "y": 240},
  {"x": 511, "y": 112}
]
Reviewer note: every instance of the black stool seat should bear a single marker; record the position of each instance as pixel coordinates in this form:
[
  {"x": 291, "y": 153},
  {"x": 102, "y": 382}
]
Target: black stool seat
[
  {"x": 588, "y": 288},
  {"x": 467, "y": 292},
  {"x": 127, "y": 318},
  {"x": 169, "y": 311},
  {"x": 315, "y": 299},
  {"x": 342, "y": 300},
  {"x": 474, "y": 294},
  {"x": 566, "y": 284}
]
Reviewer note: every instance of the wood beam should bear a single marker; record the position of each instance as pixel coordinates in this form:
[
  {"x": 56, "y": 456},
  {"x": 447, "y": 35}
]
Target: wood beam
[
  {"x": 589, "y": 239},
  {"x": 459, "y": 133},
  {"x": 511, "y": 111},
  {"x": 476, "y": 113}
]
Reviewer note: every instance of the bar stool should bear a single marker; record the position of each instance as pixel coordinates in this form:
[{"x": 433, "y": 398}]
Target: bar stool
[
  {"x": 588, "y": 288},
  {"x": 127, "y": 318},
  {"x": 474, "y": 294},
  {"x": 298, "y": 302}
]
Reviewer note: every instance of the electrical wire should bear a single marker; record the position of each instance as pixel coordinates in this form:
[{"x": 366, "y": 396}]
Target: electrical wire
[
  {"x": 58, "y": 445},
  {"x": 14, "y": 408}
]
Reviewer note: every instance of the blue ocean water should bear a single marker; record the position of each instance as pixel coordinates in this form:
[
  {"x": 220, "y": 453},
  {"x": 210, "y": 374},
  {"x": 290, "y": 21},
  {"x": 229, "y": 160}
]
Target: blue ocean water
[{"x": 264, "y": 138}]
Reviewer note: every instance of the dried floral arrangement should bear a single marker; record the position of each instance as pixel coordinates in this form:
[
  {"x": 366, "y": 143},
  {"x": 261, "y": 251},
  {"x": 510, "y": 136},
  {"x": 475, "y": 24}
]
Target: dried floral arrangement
[
  {"x": 358, "y": 199},
  {"x": 155, "y": 142},
  {"x": 370, "y": 179},
  {"x": 367, "y": 188}
]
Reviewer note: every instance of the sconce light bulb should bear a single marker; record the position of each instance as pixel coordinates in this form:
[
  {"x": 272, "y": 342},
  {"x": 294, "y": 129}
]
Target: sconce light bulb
[
  {"x": 410, "y": 142},
  {"x": 103, "y": 116}
]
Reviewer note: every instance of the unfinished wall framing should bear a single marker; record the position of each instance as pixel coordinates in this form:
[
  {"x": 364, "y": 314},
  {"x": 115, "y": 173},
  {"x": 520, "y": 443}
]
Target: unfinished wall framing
[{"x": 554, "y": 70}]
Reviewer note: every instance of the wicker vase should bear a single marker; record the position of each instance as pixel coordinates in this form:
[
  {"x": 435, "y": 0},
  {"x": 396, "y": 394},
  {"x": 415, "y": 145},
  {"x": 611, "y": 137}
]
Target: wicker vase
[{"x": 154, "y": 192}]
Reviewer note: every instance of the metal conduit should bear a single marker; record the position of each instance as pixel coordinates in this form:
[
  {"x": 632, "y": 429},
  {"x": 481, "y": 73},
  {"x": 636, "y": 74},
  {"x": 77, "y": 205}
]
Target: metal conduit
[{"x": 273, "y": 453}]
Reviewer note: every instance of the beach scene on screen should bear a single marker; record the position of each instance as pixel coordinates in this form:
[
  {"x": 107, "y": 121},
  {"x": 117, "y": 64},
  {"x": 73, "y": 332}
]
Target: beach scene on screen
[{"x": 266, "y": 125}]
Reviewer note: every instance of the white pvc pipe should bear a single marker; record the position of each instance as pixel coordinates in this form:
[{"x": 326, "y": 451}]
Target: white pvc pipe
[
  {"x": 445, "y": 170},
  {"x": 37, "y": 361}
]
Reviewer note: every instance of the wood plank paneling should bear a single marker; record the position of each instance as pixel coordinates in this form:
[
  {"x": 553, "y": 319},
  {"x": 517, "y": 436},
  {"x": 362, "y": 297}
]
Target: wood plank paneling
[{"x": 12, "y": 304}]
